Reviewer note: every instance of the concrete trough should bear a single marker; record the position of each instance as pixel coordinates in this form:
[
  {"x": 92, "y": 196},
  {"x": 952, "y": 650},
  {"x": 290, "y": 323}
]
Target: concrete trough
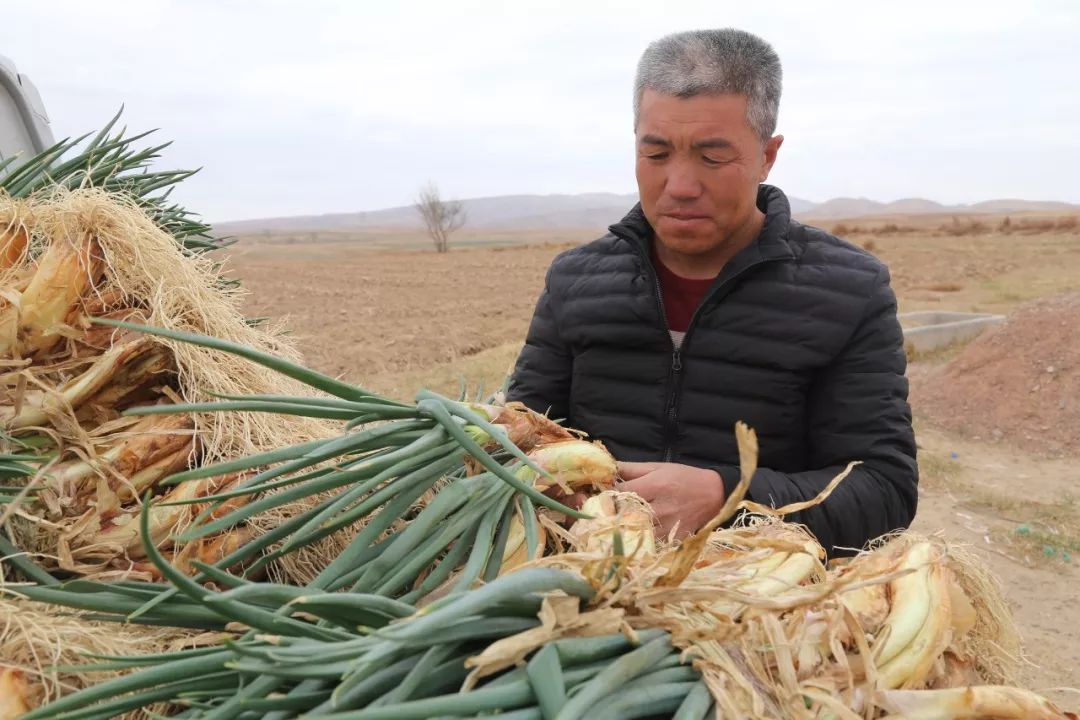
[{"x": 931, "y": 330}]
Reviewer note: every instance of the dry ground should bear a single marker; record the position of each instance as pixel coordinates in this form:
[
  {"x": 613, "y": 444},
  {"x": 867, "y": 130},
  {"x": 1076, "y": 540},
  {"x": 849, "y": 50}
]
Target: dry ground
[{"x": 396, "y": 320}]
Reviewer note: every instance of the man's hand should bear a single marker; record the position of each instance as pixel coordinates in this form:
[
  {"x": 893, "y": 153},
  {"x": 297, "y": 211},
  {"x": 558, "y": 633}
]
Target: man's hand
[{"x": 679, "y": 495}]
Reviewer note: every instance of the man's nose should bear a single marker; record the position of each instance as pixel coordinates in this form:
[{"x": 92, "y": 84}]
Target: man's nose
[{"x": 682, "y": 182}]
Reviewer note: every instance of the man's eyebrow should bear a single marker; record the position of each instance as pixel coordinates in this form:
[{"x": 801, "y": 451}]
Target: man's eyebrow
[
  {"x": 655, "y": 140},
  {"x": 715, "y": 143}
]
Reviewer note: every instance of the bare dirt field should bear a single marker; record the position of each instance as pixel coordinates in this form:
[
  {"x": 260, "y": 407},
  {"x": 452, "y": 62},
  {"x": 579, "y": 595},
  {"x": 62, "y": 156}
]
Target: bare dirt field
[{"x": 396, "y": 320}]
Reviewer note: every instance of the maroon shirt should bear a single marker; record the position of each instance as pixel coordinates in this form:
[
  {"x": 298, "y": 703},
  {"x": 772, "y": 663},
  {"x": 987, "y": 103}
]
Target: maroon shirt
[{"x": 682, "y": 296}]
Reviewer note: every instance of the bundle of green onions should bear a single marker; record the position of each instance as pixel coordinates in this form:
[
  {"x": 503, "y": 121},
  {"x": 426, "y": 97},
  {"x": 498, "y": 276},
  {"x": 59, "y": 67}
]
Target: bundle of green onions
[
  {"x": 380, "y": 475},
  {"x": 440, "y": 496},
  {"x": 63, "y": 381},
  {"x": 366, "y": 656},
  {"x": 68, "y": 256}
]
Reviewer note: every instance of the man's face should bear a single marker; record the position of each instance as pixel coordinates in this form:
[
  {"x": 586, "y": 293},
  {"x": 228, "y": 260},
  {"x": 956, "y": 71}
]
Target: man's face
[{"x": 698, "y": 167}]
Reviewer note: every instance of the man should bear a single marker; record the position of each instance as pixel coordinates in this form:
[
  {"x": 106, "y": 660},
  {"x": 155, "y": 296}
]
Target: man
[{"x": 707, "y": 304}]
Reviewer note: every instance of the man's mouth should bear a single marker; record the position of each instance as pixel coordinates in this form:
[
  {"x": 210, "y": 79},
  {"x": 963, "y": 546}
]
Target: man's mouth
[{"x": 683, "y": 215}]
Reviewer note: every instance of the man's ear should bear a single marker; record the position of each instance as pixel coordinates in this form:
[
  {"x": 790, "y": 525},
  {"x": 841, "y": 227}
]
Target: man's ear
[{"x": 772, "y": 147}]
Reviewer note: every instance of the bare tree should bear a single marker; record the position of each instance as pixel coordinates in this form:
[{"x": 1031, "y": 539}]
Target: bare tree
[{"x": 442, "y": 217}]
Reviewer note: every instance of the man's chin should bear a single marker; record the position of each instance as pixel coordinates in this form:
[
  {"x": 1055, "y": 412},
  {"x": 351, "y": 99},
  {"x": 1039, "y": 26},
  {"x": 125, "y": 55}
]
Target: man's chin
[{"x": 687, "y": 243}]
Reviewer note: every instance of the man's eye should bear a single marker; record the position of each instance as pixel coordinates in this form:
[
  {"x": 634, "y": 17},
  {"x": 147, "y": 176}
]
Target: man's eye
[
  {"x": 712, "y": 161},
  {"x": 657, "y": 156}
]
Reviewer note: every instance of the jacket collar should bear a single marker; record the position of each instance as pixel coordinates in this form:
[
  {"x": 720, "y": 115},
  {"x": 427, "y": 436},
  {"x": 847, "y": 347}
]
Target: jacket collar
[{"x": 771, "y": 243}]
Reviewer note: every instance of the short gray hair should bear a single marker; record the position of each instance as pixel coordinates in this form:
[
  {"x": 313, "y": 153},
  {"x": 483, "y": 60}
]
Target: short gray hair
[{"x": 714, "y": 62}]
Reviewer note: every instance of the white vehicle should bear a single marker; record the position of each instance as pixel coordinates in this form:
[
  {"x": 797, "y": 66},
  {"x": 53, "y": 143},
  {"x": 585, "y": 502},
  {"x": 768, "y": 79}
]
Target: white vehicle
[{"x": 24, "y": 125}]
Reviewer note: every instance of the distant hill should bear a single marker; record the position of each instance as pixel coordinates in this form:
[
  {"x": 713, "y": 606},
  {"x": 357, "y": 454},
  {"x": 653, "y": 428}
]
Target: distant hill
[
  {"x": 504, "y": 211},
  {"x": 913, "y": 206},
  {"x": 845, "y": 207},
  {"x": 862, "y": 207},
  {"x": 1007, "y": 206},
  {"x": 598, "y": 210},
  {"x": 799, "y": 206}
]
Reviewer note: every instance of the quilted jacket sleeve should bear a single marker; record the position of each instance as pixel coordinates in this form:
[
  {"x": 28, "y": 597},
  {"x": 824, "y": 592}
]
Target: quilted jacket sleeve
[
  {"x": 858, "y": 410},
  {"x": 541, "y": 378}
]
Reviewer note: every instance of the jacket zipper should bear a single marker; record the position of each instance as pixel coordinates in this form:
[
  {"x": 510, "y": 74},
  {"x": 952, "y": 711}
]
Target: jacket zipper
[
  {"x": 673, "y": 407},
  {"x": 675, "y": 376}
]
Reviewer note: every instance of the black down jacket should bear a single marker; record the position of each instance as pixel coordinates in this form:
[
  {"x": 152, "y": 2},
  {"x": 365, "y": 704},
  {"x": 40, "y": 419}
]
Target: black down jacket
[{"x": 798, "y": 337}]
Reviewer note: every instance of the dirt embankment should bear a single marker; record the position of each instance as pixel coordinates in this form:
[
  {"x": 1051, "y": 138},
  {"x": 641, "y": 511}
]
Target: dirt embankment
[{"x": 1018, "y": 383}]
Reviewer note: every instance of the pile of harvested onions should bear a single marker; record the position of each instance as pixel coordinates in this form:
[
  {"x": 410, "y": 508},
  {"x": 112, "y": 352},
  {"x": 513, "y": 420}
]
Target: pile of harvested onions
[{"x": 744, "y": 621}]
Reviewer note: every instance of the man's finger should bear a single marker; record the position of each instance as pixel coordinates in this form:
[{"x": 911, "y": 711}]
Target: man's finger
[
  {"x": 641, "y": 486},
  {"x": 634, "y": 470}
]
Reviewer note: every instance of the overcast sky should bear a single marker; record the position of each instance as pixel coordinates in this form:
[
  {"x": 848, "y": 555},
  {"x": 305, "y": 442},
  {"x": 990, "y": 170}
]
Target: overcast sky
[{"x": 323, "y": 106}]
